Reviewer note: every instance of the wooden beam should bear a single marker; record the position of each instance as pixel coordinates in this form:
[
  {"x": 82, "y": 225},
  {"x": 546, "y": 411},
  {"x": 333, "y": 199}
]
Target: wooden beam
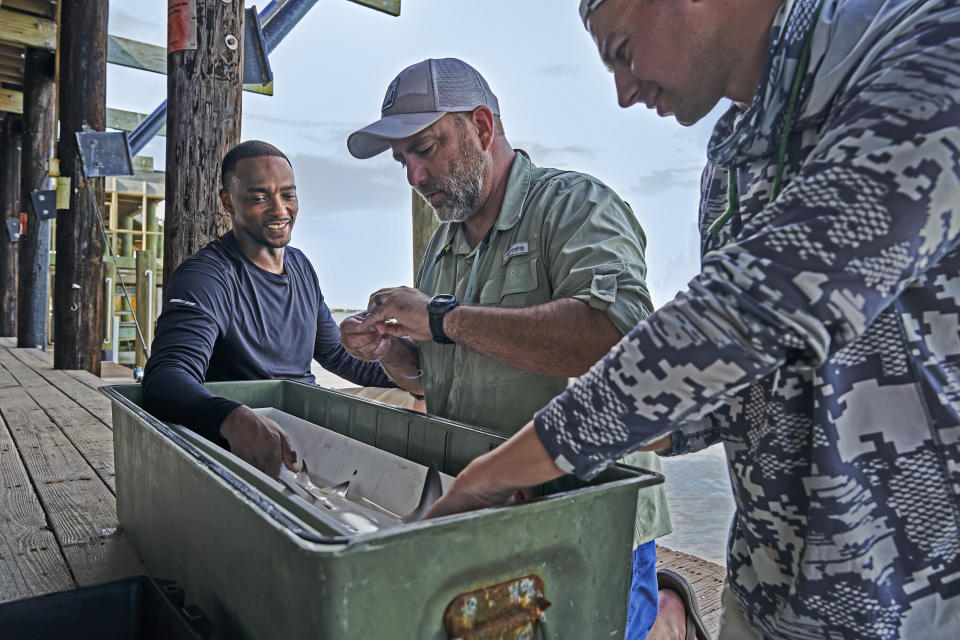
[
  {"x": 127, "y": 120},
  {"x": 39, "y": 7},
  {"x": 151, "y": 57},
  {"x": 15, "y": 69},
  {"x": 146, "y": 303},
  {"x": 12, "y": 62},
  {"x": 11, "y": 50},
  {"x": 137, "y": 55},
  {"x": 387, "y": 6},
  {"x": 28, "y": 31},
  {"x": 11, "y": 101},
  {"x": 15, "y": 62}
]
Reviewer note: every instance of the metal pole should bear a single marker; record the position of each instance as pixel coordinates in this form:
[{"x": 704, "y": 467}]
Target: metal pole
[
  {"x": 278, "y": 18},
  {"x": 283, "y": 21},
  {"x": 147, "y": 129}
]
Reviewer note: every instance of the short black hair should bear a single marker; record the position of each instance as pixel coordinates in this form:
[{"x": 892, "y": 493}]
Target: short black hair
[{"x": 247, "y": 149}]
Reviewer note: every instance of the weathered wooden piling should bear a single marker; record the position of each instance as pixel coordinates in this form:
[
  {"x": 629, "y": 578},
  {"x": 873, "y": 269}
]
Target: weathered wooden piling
[
  {"x": 10, "y": 205},
  {"x": 78, "y": 287},
  {"x": 39, "y": 114},
  {"x": 424, "y": 224},
  {"x": 204, "y": 87}
]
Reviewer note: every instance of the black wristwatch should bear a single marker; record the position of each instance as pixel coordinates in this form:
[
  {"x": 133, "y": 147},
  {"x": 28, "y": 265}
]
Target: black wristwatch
[{"x": 438, "y": 307}]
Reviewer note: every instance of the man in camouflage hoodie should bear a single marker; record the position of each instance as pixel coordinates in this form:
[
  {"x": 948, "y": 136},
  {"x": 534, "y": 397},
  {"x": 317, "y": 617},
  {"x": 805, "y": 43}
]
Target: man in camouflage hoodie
[{"x": 821, "y": 341}]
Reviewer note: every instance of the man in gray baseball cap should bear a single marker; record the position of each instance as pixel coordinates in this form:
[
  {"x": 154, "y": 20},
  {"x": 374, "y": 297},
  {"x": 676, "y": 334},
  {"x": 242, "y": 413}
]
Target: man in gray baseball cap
[{"x": 532, "y": 275}]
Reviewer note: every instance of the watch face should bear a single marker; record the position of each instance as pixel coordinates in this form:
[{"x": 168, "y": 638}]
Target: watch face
[{"x": 442, "y": 300}]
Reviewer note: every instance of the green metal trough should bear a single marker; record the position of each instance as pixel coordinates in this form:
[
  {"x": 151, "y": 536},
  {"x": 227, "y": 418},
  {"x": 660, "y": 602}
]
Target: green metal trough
[{"x": 260, "y": 563}]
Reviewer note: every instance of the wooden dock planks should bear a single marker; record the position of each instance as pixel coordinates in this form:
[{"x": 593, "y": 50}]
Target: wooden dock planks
[
  {"x": 30, "y": 559},
  {"x": 79, "y": 389},
  {"x": 705, "y": 577},
  {"x": 64, "y": 468},
  {"x": 91, "y": 436}
]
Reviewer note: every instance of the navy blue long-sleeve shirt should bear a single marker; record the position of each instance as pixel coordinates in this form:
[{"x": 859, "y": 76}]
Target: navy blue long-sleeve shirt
[{"x": 224, "y": 318}]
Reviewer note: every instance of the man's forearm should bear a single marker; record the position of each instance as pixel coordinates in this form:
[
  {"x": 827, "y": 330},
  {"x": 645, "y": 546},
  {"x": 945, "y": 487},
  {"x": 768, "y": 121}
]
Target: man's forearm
[
  {"x": 563, "y": 337},
  {"x": 520, "y": 462},
  {"x": 402, "y": 365},
  {"x": 490, "y": 480},
  {"x": 173, "y": 395}
]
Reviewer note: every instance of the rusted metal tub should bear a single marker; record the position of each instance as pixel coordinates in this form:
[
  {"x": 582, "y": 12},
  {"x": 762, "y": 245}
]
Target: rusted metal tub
[{"x": 263, "y": 565}]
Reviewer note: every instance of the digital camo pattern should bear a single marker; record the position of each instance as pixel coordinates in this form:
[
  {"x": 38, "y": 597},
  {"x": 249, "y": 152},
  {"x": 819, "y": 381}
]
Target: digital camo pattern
[
  {"x": 761, "y": 125},
  {"x": 821, "y": 344}
]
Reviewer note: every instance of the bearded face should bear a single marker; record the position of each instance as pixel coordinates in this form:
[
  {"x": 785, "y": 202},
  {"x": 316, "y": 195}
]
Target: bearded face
[{"x": 460, "y": 187}]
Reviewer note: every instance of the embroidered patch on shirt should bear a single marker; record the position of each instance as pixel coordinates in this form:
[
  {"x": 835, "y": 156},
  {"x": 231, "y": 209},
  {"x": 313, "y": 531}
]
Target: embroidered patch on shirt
[{"x": 518, "y": 249}]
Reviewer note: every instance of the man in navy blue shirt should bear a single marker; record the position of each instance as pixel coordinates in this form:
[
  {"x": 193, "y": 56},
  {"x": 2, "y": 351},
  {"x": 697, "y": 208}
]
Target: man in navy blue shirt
[{"x": 246, "y": 307}]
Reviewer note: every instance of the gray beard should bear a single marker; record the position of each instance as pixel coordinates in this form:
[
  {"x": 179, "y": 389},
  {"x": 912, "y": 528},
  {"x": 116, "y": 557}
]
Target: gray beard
[{"x": 462, "y": 187}]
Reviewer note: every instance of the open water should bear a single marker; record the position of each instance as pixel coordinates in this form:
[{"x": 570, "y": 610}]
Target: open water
[{"x": 701, "y": 504}]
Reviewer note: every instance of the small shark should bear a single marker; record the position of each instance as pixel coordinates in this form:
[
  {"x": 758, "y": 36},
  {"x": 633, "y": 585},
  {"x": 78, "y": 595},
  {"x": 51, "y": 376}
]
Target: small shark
[
  {"x": 353, "y": 511},
  {"x": 432, "y": 490}
]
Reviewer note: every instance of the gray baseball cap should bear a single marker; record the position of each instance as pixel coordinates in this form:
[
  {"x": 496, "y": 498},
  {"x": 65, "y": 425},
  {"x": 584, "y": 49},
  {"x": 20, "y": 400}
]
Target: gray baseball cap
[{"x": 420, "y": 95}]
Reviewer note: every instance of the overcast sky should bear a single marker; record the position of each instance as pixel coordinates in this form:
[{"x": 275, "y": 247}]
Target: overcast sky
[{"x": 557, "y": 101}]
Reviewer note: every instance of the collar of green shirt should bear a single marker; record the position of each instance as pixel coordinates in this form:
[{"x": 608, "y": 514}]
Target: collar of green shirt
[{"x": 511, "y": 210}]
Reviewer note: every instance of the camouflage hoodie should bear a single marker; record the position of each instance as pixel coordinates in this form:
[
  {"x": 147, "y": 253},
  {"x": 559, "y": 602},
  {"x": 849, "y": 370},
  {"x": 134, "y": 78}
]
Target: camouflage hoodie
[{"x": 821, "y": 341}]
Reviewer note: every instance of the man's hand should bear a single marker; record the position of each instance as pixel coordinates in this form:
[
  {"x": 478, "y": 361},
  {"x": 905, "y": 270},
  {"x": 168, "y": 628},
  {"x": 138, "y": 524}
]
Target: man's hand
[
  {"x": 495, "y": 477},
  {"x": 258, "y": 440},
  {"x": 365, "y": 341},
  {"x": 398, "y": 356},
  {"x": 470, "y": 491},
  {"x": 399, "y": 311}
]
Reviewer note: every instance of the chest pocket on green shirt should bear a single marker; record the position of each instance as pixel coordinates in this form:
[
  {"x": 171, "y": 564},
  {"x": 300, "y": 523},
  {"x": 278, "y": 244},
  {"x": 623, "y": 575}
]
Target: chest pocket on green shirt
[{"x": 515, "y": 285}]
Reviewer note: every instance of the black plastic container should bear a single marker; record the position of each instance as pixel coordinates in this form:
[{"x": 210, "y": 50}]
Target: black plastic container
[{"x": 135, "y": 608}]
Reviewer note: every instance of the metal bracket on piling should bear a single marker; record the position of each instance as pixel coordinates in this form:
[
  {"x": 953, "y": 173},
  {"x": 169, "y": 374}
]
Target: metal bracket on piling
[
  {"x": 13, "y": 229},
  {"x": 44, "y": 203},
  {"x": 105, "y": 153},
  {"x": 256, "y": 64}
]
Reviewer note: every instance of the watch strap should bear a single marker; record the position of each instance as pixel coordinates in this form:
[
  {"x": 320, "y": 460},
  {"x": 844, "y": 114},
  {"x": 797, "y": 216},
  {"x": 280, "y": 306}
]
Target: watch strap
[
  {"x": 437, "y": 309},
  {"x": 436, "y": 327}
]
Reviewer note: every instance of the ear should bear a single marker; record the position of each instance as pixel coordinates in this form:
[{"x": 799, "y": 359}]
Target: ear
[
  {"x": 226, "y": 201},
  {"x": 483, "y": 120}
]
